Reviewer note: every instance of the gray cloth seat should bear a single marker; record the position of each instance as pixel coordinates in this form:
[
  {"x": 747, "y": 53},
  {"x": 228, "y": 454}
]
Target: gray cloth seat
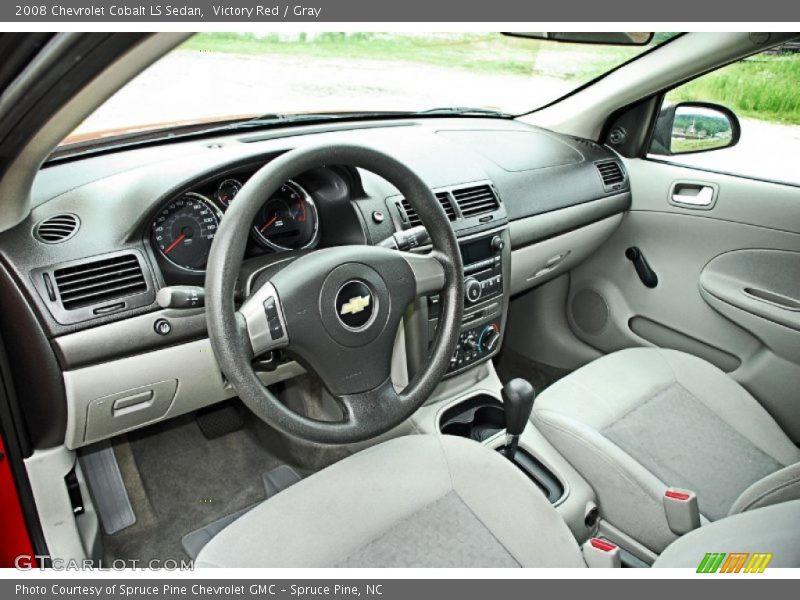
[
  {"x": 419, "y": 500},
  {"x": 441, "y": 501},
  {"x": 772, "y": 529},
  {"x": 638, "y": 421}
]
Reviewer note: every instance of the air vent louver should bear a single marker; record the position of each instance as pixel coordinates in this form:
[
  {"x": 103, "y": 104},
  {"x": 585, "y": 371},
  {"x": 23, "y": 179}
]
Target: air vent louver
[
  {"x": 611, "y": 172},
  {"x": 57, "y": 228},
  {"x": 412, "y": 218},
  {"x": 99, "y": 281},
  {"x": 476, "y": 200}
]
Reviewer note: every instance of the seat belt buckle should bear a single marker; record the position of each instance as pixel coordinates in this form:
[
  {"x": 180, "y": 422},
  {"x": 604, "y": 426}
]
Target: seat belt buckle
[
  {"x": 601, "y": 554},
  {"x": 680, "y": 507}
]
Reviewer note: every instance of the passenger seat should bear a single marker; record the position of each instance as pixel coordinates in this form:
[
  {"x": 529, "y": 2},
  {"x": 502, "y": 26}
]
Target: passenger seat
[{"x": 639, "y": 421}]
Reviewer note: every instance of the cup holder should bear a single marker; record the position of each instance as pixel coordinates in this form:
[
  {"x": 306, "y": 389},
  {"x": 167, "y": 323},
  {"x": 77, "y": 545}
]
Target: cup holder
[
  {"x": 478, "y": 418},
  {"x": 481, "y": 417}
]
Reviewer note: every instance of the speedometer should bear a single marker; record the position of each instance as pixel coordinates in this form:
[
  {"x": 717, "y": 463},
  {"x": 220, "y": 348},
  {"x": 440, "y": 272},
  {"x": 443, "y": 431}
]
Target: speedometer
[
  {"x": 288, "y": 220},
  {"x": 184, "y": 229}
]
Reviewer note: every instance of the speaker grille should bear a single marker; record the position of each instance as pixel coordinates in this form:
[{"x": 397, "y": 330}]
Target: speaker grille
[{"x": 589, "y": 311}]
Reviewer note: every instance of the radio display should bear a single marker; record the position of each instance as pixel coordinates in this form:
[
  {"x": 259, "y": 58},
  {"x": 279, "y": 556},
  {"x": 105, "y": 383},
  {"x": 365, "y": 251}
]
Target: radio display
[{"x": 476, "y": 251}]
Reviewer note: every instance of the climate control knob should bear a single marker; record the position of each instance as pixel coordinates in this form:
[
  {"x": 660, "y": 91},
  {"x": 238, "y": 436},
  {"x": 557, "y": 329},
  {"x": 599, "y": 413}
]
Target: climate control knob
[
  {"x": 489, "y": 338},
  {"x": 470, "y": 344},
  {"x": 472, "y": 290}
]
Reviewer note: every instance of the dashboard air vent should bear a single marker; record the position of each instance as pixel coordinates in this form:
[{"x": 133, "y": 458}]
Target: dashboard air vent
[
  {"x": 412, "y": 218},
  {"x": 611, "y": 172},
  {"x": 100, "y": 280},
  {"x": 58, "y": 228},
  {"x": 476, "y": 200}
]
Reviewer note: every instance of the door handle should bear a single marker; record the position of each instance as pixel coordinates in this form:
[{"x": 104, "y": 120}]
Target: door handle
[{"x": 703, "y": 197}]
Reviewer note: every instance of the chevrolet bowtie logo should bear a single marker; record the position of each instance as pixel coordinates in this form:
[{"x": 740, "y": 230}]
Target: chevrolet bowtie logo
[{"x": 355, "y": 305}]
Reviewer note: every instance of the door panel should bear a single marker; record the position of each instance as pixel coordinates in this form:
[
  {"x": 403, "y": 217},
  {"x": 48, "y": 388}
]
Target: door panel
[{"x": 686, "y": 244}]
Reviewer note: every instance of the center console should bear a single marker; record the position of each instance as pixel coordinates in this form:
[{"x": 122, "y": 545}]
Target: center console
[{"x": 486, "y": 264}]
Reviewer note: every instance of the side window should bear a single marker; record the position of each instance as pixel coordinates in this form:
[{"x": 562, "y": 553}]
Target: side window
[{"x": 742, "y": 119}]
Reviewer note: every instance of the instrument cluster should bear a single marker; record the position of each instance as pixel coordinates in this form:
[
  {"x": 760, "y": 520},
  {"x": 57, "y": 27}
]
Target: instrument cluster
[{"x": 184, "y": 228}]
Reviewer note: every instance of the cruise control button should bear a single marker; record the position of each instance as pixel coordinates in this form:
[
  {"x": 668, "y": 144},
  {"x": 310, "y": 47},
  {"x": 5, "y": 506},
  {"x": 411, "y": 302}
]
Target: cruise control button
[
  {"x": 275, "y": 329},
  {"x": 270, "y": 308}
]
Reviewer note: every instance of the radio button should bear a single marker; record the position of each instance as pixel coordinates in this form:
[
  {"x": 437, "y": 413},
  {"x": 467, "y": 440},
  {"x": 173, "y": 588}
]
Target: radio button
[{"x": 472, "y": 290}]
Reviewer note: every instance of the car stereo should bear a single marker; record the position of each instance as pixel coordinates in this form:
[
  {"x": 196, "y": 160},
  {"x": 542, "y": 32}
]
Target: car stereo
[{"x": 483, "y": 302}]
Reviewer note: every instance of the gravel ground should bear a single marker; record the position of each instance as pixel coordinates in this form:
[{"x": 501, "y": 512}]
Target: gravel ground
[{"x": 185, "y": 86}]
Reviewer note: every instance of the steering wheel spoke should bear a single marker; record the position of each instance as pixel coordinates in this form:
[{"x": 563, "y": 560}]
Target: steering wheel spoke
[
  {"x": 370, "y": 410},
  {"x": 428, "y": 270},
  {"x": 265, "y": 320}
]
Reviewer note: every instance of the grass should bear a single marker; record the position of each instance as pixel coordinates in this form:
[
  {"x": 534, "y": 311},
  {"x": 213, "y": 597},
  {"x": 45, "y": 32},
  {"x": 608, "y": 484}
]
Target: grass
[
  {"x": 687, "y": 145},
  {"x": 468, "y": 51},
  {"x": 765, "y": 87}
]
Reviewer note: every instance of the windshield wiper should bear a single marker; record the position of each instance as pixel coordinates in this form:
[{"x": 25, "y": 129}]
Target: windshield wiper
[
  {"x": 289, "y": 118},
  {"x": 465, "y": 111}
]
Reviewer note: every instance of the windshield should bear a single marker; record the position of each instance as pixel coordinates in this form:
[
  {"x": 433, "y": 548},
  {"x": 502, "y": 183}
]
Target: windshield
[{"x": 216, "y": 77}]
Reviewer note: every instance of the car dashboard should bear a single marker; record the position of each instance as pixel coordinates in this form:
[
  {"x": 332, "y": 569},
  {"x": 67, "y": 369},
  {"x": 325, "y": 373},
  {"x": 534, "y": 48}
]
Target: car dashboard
[{"x": 106, "y": 232}]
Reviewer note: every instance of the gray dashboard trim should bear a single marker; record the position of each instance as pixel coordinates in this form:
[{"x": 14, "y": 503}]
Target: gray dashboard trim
[
  {"x": 537, "y": 228},
  {"x": 130, "y": 336}
]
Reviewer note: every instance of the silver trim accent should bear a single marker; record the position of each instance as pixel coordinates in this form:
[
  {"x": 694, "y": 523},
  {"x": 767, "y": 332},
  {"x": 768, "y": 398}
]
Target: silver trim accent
[
  {"x": 206, "y": 200},
  {"x": 261, "y": 238},
  {"x": 428, "y": 272},
  {"x": 255, "y": 317}
]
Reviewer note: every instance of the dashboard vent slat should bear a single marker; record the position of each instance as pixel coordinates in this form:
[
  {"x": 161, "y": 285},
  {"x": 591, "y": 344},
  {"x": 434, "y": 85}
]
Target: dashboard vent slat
[
  {"x": 412, "y": 218},
  {"x": 57, "y": 229},
  {"x": 611, "y": 172},
  {"x": 98, "y": 281},
  {"x": 476, "y": 200}
]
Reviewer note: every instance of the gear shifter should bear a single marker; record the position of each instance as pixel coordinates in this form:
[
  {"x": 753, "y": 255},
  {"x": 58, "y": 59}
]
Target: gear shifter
[{"x": 518, "y": 395}]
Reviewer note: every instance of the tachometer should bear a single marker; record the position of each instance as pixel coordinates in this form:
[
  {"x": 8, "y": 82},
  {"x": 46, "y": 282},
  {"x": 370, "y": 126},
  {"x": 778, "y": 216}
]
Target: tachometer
[
  {"x": 288, "y": 220},
  {"x": 184, "y": 229}
]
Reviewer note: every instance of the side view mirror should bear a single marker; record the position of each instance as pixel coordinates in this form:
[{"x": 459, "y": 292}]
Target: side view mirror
[{"x": 690, "y": 127}]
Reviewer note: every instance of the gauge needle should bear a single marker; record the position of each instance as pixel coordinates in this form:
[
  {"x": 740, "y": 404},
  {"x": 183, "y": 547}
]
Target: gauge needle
[
  {"x": 177, "y": 241},
  {"x": 268, "y": 223}
]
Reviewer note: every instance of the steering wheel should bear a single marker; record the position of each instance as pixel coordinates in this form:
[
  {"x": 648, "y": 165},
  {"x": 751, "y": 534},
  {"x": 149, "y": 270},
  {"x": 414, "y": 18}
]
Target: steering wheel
[{"x": 336, "y": 310}]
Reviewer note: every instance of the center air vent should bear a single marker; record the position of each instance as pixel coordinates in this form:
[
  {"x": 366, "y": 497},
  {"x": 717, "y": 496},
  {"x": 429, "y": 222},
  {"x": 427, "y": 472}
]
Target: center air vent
[
  {"x": 612, "y": 174},
  {"x": 412, "y": 218},
  {"x": 58, "y": 228},
  {"x": 476, "y": 200},
  {"x": 98, "y": 281}
]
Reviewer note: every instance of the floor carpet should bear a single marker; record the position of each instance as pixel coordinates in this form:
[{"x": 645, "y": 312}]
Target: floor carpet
[{"x": 178, "y": 481}]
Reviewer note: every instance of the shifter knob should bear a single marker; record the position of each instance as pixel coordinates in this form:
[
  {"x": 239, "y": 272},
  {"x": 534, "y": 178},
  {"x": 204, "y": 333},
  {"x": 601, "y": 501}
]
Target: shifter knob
[{"x": 518, "y": 395}]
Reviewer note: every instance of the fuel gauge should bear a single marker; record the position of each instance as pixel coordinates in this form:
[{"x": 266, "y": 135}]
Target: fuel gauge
[{"x": 226, "y": 191}]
